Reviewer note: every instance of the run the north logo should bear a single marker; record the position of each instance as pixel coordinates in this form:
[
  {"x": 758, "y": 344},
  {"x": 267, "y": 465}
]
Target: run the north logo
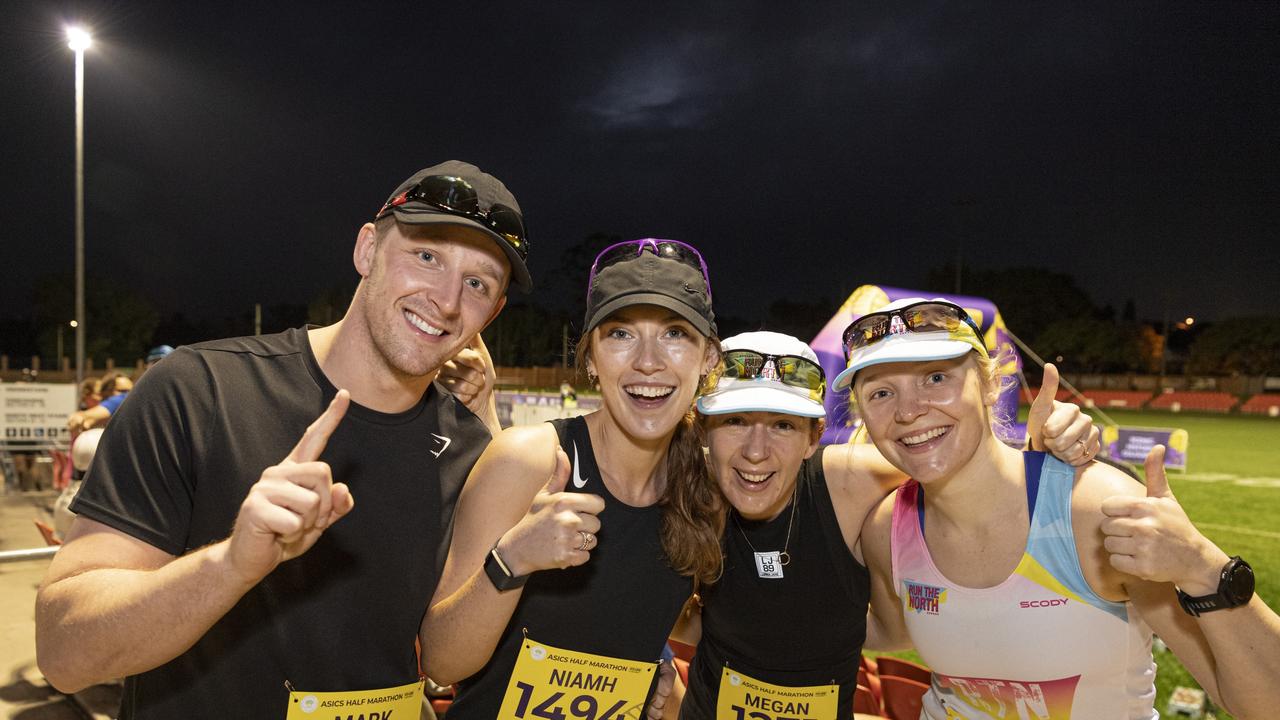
[{"x": 924, "y": 598}]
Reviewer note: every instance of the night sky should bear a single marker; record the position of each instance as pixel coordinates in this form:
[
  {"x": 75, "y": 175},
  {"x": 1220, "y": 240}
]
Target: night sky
[{"x": 234, "y": 149}]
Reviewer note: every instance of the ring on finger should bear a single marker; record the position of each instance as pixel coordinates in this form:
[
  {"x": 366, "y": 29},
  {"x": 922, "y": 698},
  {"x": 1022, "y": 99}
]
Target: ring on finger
[{"x": 586, "y": 539}]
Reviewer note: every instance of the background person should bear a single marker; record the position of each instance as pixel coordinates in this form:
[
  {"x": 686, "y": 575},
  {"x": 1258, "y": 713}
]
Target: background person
[
  {"x": 271, "y": 439},
  {"x": 1024, "y": 582},
  {"x": 113, "y": 389},
  {"x": 601, "y": 565},
  {"x": 790, "y": 609}
]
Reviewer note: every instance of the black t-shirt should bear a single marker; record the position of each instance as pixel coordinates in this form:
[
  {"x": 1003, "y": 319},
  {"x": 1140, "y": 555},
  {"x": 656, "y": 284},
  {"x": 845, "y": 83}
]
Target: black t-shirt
[
  {"x": 622, "y": 603},
  {"x": 805, "y": 628},
  {"x": 178, "y": 459}
]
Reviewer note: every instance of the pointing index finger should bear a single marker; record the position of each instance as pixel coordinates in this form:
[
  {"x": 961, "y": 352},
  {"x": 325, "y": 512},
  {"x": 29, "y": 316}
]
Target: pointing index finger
[{"x": 317, "y": 435}]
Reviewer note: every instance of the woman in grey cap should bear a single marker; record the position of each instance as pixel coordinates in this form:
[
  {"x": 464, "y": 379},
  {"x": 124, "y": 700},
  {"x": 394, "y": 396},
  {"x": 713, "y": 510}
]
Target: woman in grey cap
[
  {"x": 785, "y": 623},
  {"x": 577, "y": 542}
]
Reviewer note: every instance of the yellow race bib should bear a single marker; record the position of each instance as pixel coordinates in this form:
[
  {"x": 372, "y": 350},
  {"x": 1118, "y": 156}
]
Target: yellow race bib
[
  {"x": 743, "y": 697},
  {"x": 549, "y": 683},
  {"x": 397, "y": 703}
]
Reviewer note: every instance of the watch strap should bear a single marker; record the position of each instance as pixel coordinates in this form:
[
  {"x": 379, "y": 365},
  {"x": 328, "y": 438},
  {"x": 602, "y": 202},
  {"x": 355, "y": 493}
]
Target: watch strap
[
  {"x": 499, "y": 574},
  {"x": 1224, "y": 598}
]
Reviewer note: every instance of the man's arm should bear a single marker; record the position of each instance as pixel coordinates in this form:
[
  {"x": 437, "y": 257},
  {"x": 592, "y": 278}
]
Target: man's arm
[
  {"x": 508, "y": 500},
  {"x": 93, "y": 417},
  {"x": 111, "y": 605},
  {"x": 1151, "y": 545}
]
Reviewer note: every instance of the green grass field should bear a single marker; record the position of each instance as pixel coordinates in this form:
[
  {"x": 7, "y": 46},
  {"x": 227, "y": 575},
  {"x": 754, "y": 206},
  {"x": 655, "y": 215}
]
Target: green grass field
[{"x": 1231, "y": 490}]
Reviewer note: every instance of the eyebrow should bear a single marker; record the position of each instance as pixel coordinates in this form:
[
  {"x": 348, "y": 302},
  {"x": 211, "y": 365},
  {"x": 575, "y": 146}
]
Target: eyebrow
[{"x": 491, "y": 268}]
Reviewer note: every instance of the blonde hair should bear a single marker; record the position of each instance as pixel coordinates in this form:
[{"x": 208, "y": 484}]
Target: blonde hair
[{"x": 693, "y": 510}]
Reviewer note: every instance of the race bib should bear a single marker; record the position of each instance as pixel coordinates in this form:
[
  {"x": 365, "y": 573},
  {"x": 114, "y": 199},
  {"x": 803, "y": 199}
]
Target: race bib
[
  {"x": 558, "y": 684},
  {"x": 743, "y": 697},
  {"x": 397, "y": 703}
]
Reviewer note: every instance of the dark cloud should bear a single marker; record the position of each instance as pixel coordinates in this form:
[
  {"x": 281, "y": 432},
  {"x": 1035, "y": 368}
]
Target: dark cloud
[{"x": 234, "y": 149}]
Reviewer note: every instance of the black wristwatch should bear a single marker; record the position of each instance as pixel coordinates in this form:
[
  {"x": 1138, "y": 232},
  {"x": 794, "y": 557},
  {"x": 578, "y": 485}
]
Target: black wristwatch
[
  {"x": 499, "y": 574},
  {"x": 1235, "y": 588}
]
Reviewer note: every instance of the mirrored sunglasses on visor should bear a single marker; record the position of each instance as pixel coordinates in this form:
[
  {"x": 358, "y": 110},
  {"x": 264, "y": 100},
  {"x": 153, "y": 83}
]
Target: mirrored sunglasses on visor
[
  {"x": 928, "y": 316},
  {"x": 453, "y": 195},
  {"x": 791, "y": 370},
  {"x": 670, "y": 249}
]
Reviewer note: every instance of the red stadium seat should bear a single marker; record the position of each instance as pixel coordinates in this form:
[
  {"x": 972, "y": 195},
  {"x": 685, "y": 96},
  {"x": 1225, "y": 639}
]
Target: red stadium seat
[
  {"x": 681, "y": 650},
  {"x": 50, "y": 537},
  {"x": 894, "y": 667},
  {"x": 1197, "y": 401},
  {"x": 902, "y": 697},
  {"x": 1116, "y": 398},
  {"x": 1263, "y": 404},
  {"x": 870, "y": 681},
  {"x": 864, "y": 702},
  {"x": 682, "y": 667}
]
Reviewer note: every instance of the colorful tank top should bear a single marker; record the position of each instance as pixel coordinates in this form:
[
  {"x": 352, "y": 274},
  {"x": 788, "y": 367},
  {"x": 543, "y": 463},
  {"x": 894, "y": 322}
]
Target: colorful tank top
[{"x": 1041, "y": 645}]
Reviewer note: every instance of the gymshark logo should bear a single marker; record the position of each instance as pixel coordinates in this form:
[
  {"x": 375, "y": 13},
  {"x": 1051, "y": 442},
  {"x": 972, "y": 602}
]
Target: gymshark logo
[
  {"x": 578, "y": 481},
  {"x": 443, "y": 442}
]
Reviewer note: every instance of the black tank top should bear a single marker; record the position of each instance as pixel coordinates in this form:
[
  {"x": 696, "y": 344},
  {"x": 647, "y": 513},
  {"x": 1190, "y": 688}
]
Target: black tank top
[
  {"x": 805, "y": 628},
  {"x": 622, "y": 603}
]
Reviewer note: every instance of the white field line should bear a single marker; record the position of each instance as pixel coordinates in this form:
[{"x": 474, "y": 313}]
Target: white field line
[
  {"x": 1239, "y": 530},
  {"x": 1227, "y": 477}
]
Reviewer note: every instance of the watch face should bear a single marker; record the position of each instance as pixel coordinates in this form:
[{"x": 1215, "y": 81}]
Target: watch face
[{"x": 1239, "y": 583}]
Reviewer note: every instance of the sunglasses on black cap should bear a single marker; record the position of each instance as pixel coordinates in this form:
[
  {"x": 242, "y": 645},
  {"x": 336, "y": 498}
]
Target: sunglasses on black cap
[
  {"x": 669, "y": 249},
  {"x": 455, "y": 196}
]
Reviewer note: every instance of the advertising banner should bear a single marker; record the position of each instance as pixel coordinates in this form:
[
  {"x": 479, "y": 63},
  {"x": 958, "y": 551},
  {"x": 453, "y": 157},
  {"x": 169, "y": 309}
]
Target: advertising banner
[
  {"x": 36, "y": 412},
  {"x": 1131, "y": 444}
]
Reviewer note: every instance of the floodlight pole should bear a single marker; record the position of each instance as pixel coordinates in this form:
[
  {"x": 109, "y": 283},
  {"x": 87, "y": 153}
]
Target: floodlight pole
[{"x": 80, "y": 320}]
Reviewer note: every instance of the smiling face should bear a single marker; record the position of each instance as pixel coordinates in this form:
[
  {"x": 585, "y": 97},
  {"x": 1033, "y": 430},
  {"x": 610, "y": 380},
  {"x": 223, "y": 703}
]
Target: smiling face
[
  {"x": 927, "y": 418},
  {"x": 648, "y": 362},
  {"x": 756, "y": 458},
  {"x": 427, "y": 290}
]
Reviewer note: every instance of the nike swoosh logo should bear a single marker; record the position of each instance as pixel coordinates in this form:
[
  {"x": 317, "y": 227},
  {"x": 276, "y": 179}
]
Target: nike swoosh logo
[
  {"x": 444, "y": 444},
  {"x": 578, "y": 481}
]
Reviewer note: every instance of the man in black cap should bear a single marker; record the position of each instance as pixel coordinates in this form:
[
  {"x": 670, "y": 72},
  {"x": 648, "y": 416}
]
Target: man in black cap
[{"x": 218, "y": 472}]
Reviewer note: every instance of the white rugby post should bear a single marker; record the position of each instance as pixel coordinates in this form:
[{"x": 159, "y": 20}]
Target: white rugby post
[{"x": 79, "y": 40}]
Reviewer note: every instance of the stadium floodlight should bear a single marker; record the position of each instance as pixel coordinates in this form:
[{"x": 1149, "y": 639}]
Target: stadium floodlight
[{"x": 79, "y": 39}]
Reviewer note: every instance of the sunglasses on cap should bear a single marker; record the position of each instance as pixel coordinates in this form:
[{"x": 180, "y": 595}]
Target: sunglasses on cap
[
  {"x": 631, "y": 249},
  {"x": 791, "y": 370},
  {"x": 455, "y": 196},
  {"x": 928, "y": 316}
]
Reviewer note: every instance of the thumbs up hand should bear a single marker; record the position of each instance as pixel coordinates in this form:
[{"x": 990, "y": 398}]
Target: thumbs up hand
[
  {"x": 559, "y": 531},
  {"x": 1060, "y": 428},
  {"x": 292, "y": 503},
  {"x": 1152, "y": 538}
]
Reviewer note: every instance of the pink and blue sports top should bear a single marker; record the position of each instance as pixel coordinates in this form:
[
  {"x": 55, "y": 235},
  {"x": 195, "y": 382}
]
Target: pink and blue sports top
[{"x": 1041, "y": 645}]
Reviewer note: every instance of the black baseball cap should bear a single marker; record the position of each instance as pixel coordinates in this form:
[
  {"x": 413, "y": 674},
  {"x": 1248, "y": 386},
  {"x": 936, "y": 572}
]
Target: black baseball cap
[
  {"x": 649, "y": 279},
  {"x": 489, "y": 192}
]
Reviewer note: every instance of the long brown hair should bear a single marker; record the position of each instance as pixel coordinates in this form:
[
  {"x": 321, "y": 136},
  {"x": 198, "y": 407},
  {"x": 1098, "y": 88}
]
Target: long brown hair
[{"x": 693, "y": 510}]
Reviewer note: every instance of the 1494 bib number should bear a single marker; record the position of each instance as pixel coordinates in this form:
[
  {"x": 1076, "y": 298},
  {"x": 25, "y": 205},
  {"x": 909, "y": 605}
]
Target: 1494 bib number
[{"x": 550, "y": 683}]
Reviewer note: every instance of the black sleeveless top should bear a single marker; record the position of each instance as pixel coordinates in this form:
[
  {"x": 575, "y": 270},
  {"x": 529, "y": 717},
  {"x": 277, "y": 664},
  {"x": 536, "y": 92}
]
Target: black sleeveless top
[
  {"x": 805, "y": 628},
  {"x": 622, "y": 603}
]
